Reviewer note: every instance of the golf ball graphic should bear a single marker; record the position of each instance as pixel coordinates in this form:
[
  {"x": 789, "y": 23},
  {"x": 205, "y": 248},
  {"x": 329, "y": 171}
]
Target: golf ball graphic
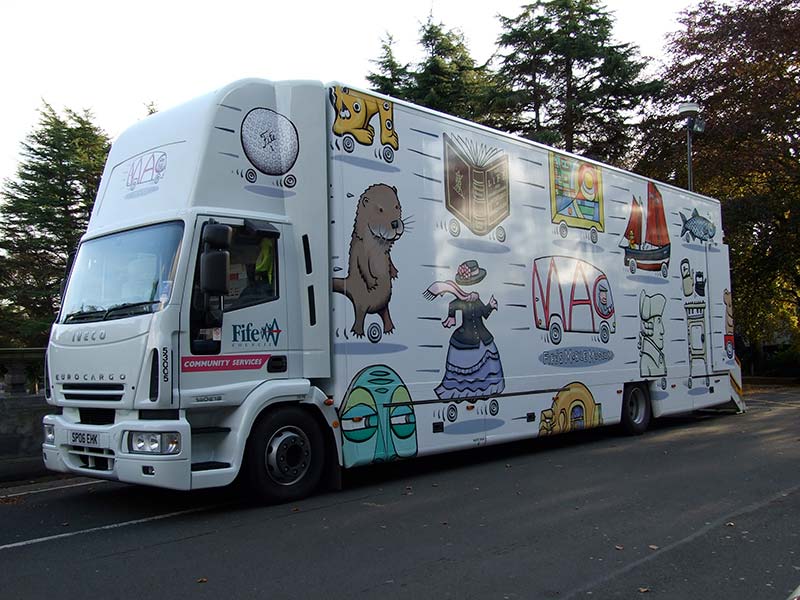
[{"x": 270, "y": 141}]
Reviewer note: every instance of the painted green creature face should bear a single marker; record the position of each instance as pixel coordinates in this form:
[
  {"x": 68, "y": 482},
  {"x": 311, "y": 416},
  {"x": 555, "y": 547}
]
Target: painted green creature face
[{"x": 377, "y": 418}]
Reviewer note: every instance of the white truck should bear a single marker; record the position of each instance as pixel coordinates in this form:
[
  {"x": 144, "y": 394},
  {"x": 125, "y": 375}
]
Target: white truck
[{"x": 288, "y": 279}]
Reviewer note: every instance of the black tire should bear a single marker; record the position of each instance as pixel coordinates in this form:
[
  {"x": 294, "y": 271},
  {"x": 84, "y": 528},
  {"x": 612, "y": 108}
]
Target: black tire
[
  {"x": 556, "y": 333},
  {"x": 285, "y": 455},
  {"x": 636, "y": 412},
  {"x": 605, "y": 332}
]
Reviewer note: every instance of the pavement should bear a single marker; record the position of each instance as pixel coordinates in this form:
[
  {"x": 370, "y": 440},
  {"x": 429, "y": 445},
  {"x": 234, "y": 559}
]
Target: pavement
[
  {"x": 703, "y": 506},
  {"x": 20, "y": 470}
]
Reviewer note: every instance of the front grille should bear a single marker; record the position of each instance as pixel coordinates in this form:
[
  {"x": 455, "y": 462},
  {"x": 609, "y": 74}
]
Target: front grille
[
  {"x": 96, "y": 416},
  {"x": 96, "y": 459},
  {"x": 93, "y": 392}
]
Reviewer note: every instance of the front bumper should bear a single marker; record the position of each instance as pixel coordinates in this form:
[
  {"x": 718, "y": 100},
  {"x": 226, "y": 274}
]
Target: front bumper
[{"x": 112, "y": 460}]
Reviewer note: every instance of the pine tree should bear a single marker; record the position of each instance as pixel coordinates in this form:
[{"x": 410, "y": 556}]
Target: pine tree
[
  {"x": 447, "y": 79},
  {"x": 44, "y": 212},
  {"x": 392, "y": 78},
  {"x": 573, "y": 86}
]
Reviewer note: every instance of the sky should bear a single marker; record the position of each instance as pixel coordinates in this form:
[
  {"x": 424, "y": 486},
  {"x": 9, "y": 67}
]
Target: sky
[{"x": 115, "y": 57}]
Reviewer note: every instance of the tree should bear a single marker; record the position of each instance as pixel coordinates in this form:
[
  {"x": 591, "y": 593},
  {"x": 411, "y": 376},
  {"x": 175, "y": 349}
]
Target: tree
[
  {"x": 392, "y": 78},
  {"x": 44, "y": 212},
  {"x": 572, "y": 86},
  {"x": 447, "y": 78},
  {"x": 741, "y": 62}
]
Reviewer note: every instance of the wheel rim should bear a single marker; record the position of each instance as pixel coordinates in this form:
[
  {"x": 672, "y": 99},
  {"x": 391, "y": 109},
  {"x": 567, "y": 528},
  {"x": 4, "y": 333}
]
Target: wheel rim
[
  {"x": 288, "y": 455},
  {"x": 636, "y": 405}
]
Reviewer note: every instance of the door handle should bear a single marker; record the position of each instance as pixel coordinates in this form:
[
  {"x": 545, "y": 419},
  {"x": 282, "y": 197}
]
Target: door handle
[{"x": 276, "y": 364}]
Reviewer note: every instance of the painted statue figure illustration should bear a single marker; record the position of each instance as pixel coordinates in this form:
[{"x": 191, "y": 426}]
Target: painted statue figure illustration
[
  {"x": 473, "y": 369},
  {"x": 354, "y": 111},
  {"x": 646, "y": 240},
  {"x": 728, "y": 300},
  {"x": 576, "y": 196},
  {"x": 651, "y": 336},
  {"x": 573, "y": 408},
  {"x": 476, "y": 186},
  {"x": 368, "y": 285},
  {"x": 697, "y": 227},
  {"x": 377, "y": 418}
]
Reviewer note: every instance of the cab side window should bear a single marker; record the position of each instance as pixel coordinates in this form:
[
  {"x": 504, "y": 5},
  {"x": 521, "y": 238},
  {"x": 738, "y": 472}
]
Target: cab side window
[{"x": 254, "y": 270}]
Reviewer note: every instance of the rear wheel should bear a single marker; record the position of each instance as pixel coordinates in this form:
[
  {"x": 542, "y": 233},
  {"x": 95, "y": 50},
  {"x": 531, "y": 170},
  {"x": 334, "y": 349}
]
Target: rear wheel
[
  {"x": 285, "y": 455},
  {"x": 636, "y": 412}
]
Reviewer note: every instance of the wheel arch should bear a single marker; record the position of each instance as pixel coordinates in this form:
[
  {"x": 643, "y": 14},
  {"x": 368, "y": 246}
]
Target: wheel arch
[{"x": 271, "y": 396}]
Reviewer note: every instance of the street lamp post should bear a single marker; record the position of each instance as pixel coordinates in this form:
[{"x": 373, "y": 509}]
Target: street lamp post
[{"x": 694, "y": 123}]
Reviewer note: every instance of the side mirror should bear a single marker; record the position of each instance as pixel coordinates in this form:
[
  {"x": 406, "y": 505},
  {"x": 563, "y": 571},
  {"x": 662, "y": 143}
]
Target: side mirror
[
  {"x": 217, "y": 236},
  {"x": 215, "y": 267}
]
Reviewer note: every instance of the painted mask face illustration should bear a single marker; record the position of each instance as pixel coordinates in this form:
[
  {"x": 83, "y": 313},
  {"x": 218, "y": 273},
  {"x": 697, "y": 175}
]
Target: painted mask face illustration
[
  {"x": 377, "y": 418},
  {"x": 359, "y": 422}
]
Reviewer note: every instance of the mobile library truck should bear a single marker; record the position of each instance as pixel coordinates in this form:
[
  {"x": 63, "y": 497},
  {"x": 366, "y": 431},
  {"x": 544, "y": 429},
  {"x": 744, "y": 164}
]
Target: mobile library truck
[{"x": 287, "y": 279}]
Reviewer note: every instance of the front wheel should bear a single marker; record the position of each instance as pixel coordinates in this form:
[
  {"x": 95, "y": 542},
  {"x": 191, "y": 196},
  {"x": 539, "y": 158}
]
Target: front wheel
[
  {"x": 285, "y": 455},
  {"x": 635, "y": 410},
  {"x": 555, "y": 332}
]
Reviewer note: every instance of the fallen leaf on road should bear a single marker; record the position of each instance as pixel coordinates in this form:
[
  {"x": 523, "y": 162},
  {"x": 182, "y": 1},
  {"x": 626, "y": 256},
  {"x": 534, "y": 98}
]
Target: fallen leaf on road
[
  {"x": 643, "y": 590},
  {"x": 203, "y": 580},
  {"x": 653, "y": 547}
]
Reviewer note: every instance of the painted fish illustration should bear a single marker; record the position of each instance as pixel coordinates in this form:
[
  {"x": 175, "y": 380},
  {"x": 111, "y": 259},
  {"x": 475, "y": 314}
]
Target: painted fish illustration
[{"x": 697, "y": 227}]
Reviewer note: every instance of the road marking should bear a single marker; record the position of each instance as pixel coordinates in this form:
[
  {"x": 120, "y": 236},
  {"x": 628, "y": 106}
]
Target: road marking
[
  {"x": 105, "y": 527},
  {"x": 52, "y": 489}
]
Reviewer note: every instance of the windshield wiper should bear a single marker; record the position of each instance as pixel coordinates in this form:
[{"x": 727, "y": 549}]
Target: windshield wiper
[
  {"x": 86, "y": 315},
  {"x": 130, "y": 308}
]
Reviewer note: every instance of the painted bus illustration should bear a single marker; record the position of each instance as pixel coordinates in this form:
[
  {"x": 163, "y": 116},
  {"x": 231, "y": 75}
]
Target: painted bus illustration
[{"x": 571, "y": 295}]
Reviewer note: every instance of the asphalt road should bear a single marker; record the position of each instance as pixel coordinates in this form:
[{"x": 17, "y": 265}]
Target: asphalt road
[{"x": 704, "y": 506}]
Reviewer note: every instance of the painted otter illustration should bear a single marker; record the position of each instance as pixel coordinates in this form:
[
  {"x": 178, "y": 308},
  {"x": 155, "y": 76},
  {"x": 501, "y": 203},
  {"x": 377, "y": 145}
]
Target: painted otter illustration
[{"x": 378, "y": 225}]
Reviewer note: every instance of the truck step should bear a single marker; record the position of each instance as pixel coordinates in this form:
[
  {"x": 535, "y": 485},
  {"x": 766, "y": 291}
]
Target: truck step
[
  {"x": 202, "y": 430},
  {"x": 209, "y": 466}
]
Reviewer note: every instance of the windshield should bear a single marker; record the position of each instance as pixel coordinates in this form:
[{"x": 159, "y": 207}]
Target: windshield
[{"x": 123, "y": 274}]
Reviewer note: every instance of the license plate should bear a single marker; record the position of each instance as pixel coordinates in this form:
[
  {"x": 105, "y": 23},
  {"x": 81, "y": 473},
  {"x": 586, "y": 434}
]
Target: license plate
[{"x": 87, "y": 438}]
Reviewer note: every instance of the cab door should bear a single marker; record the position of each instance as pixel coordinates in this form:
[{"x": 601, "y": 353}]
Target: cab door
[{"x": 242, "y": 339}]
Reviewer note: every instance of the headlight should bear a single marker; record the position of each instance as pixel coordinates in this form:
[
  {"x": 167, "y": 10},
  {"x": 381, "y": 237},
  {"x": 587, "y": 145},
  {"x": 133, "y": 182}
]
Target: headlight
[
  {"x": 49, "y": 434},
  {"x": 153, "y": 442}
]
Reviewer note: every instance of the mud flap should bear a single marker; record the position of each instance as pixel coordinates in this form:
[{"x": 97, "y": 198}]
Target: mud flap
[{"x": 737, "y": 395}]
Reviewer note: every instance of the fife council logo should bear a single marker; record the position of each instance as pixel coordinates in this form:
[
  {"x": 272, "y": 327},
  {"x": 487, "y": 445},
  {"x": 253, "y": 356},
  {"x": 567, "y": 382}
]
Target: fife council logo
[{"x": 248, "y": 335}]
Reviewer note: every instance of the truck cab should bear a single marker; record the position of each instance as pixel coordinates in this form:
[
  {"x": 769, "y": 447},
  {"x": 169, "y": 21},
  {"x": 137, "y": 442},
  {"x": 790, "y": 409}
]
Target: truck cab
[{"x": 198, "y": 298}]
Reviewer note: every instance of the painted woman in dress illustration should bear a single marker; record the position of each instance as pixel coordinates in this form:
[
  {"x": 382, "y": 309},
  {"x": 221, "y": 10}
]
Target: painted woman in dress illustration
[{"x": 473, "y": 369}]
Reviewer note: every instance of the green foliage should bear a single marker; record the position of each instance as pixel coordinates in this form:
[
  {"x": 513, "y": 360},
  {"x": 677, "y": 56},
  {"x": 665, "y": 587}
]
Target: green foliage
[
  {"x": 392, "y": 78},
  {"x": 447, "y": 79},
  {"x": 572, "y": 86},
  {"x": 741, "y": 62},
  {"x": 44, "y": 212}
]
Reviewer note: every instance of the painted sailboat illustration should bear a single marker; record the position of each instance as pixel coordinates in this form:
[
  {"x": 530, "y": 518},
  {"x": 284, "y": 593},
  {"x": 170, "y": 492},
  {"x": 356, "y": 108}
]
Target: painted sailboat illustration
[{"x": 646, "y": 238}]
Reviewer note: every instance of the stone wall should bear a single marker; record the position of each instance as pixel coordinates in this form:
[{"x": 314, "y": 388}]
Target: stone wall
[{"x": 21, "y": 425}]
